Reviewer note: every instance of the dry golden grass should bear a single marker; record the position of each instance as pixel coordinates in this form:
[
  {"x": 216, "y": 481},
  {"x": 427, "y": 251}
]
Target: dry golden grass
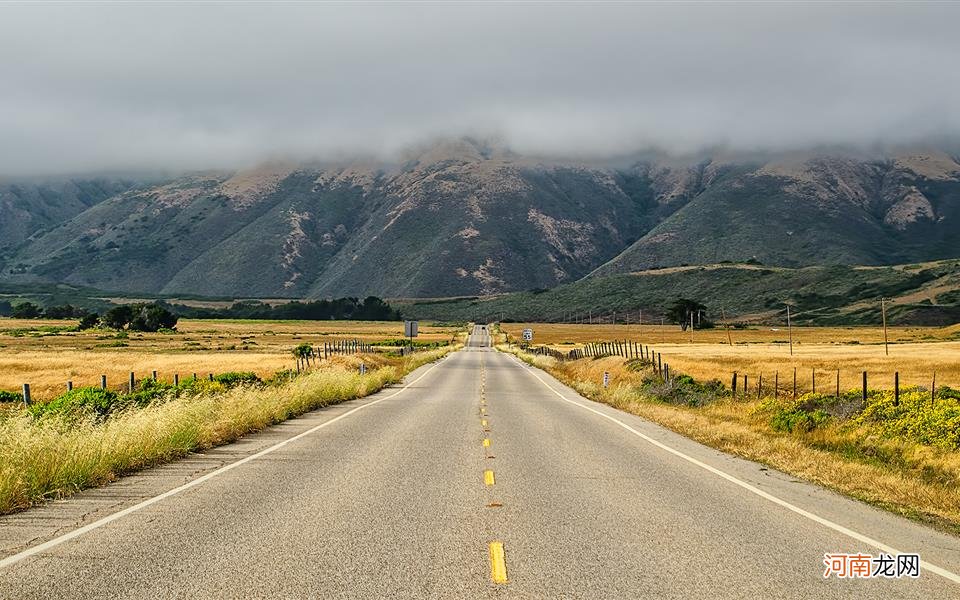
[
  {"x": 52, "y": 458},
  {"x": 913, "y": 480},
  {"x": 34, "y": 352},
  {"x": 915, "y": 352},
  {"x": 560, "y": 333}
]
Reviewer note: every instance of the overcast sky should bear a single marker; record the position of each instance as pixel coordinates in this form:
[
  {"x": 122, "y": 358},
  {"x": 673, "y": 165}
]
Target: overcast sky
[{"x": 101, "y": 86}]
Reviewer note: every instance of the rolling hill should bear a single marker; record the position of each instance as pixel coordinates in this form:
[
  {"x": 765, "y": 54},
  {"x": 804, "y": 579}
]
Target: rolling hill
[{"x": 921, "y": 294}]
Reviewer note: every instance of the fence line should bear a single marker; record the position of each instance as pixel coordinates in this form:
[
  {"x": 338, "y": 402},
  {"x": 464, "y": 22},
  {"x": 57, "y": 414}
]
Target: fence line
[
  {"x": 633, "y": 350},
  {"x": 310, "y": 358}
]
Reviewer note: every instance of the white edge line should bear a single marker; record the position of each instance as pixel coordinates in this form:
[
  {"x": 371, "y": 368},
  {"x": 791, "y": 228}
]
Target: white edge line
[
  {"x": 20, "y": 556},
  {"x": 750, "y": 488}
]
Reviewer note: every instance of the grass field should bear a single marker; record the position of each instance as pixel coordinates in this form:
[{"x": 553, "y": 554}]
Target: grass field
[
  {"x": 46, "y": 354},
  {"x": 915, "y": 352}
]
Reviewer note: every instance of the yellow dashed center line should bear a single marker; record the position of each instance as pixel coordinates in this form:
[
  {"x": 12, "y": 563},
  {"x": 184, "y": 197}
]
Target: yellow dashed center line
[{"x": 498, "y": 563}]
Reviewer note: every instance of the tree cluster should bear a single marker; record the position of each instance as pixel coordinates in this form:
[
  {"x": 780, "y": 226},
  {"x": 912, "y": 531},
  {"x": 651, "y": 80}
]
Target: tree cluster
[
  {"x": 685, "y": 312},
  {"x": 29, "y": 310},
  {"x": 370, "y": 308},
  {"x": 135, "y": 317}
]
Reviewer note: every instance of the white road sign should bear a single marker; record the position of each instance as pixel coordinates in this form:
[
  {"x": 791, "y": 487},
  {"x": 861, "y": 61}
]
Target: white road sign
[{"x": 410, "y": 328}]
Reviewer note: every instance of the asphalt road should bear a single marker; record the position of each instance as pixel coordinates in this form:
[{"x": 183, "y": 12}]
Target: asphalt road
[{"x": 398, "y": 495}]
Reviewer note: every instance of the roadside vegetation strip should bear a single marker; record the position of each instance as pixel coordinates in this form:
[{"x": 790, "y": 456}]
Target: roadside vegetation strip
[
  {"x": 54, "y": 455},
  {"x": 904, "y": 459}
]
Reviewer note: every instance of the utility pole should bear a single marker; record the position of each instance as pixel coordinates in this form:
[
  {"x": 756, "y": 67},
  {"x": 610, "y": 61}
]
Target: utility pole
[
  {"x": 726, "y": 325},
  {"x": 883, "y": 311},
  {"x": 790, "y": 330}
]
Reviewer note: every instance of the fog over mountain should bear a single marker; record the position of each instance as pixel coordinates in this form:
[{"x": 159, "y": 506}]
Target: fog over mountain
[{"x": 187, "y": 86}]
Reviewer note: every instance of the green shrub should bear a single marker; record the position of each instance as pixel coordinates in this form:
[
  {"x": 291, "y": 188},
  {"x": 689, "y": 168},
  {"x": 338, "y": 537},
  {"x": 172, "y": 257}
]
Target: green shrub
[
  {"x": 281, "y": 377},
  {"x": 796, "y": 419},
  {"x": 235, "y": 378},
  {"x": 79, "y": 403},
  {"x": 915, "y": 417},
  {"x": 683, "y": 390},
  {"x": 6, "y": 396}
]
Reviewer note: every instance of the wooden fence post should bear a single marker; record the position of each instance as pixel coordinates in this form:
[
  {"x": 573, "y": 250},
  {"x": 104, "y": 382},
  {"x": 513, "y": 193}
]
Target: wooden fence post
[
  {"x": 103, "y": 382},
  {"x": 154, "y": 375},
  {"x": 759, "y": 386},
  {"x": 933, "y": 388},
  {"x": 133, "y": 382},
  {"x": 864, "y": 387},
  {"x": 733, "y": 385},
  {"x": 776, "y": 385},
  {"x": 896, "y": 388},
  {"x": 69, "y": 386},
  {"x": 794, "y": 383},
  {"x": 26, "y": 394},
  {"x": 838, "y": 383},
  {"x": 813, "y": 381},
  {"x": 176, "y": 379},
  {"x": 211, "y": 376}
]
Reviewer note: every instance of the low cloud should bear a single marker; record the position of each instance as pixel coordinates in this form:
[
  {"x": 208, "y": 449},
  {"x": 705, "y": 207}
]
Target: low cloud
[{"x": 188, "y": 86}]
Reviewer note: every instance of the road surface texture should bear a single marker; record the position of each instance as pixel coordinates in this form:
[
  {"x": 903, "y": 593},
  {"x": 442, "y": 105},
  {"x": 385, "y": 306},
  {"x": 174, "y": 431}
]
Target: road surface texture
[{"x": 480, "y": 477}]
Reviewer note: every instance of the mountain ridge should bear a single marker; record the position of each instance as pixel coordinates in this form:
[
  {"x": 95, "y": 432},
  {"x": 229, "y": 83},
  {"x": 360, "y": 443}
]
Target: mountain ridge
[{"x": 466, "y": 217}]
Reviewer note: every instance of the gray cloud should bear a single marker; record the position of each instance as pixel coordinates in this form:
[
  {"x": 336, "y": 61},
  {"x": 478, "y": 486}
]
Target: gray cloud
[{"x": 195, "y": 86}]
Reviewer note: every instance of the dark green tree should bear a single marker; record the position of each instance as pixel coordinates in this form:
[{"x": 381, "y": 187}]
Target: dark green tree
[
  {"x": 67, "y": 311},
  {"x": 88, "y": 321},
  {"x": 682, "y": 310},
  {"x": 26, "y": 310},
  {"x": 118, "y": 317},
  {"x": 152, "y": 317}
]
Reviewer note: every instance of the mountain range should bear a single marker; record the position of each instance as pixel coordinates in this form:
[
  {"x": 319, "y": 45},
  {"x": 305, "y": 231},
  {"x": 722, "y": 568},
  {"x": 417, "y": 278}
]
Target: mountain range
[{"x": 464, "y": 217}]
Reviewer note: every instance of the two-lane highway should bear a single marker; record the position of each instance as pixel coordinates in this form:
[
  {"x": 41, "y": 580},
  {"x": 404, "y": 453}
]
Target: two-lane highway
[{"x": 480, "y": 477}]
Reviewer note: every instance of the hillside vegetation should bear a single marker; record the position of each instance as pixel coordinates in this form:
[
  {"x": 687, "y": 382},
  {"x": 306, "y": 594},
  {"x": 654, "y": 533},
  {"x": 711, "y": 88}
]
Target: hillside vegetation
[{"x": 925, "y": 293}]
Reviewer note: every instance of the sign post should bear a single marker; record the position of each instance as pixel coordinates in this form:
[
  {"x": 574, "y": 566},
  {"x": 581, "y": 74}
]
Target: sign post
[{"x": 410, "y": 331}]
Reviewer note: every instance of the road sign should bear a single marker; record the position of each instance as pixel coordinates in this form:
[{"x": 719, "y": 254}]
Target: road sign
[
  {"x": 410, "y": 328},
  {"x": 528, "y": 335}
]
